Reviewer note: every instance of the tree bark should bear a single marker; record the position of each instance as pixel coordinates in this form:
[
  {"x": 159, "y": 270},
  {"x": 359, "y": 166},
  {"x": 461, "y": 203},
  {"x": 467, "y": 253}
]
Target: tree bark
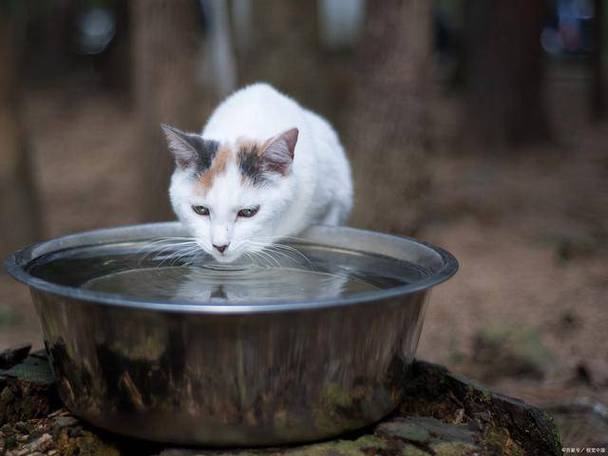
[
  {"x": 20, "y": 223},
  {"x": 504, "y": 71},
  {"x": 167, "y": 35},
  {"x": 279, "y": 44},
  {"x": 388, "y": 120}
]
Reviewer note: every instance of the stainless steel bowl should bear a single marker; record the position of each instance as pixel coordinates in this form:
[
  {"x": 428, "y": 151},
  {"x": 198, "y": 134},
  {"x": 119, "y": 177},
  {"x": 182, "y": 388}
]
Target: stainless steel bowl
[{"x": 239, "y": 375}]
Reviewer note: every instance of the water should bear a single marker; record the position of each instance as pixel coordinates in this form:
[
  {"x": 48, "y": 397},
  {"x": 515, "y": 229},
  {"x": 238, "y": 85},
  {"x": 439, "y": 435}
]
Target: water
[{"x": 143, "y": 271}]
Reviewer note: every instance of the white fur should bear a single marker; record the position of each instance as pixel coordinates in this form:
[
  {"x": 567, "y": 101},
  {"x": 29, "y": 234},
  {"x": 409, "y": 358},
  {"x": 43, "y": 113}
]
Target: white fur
[{"x": 318, "y": 189}]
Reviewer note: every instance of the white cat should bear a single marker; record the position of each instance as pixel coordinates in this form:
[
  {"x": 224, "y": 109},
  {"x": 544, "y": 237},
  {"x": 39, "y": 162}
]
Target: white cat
[{"x": 264, "y": 168}]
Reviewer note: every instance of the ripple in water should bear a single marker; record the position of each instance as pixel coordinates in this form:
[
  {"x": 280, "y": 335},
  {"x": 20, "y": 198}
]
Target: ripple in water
[
  {"x": 126, "y": 270},
  {"x": 196, "y": 284}
]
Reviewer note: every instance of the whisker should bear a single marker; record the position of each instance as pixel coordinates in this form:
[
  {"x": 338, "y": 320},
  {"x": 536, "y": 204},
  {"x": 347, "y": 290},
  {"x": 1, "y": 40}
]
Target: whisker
[
  {"x": 285, "y": 250},
  {"x": 157, "y": 248},
  {"x": 183, "y": 254},
  {"x": 264, "y": 257},
  {"x": 175, "y": 256},
  {"x": 294, "y": 251}
]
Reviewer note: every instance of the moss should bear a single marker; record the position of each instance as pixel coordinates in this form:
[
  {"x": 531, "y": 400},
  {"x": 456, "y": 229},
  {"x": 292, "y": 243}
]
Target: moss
[
  {"x": 484, "y": 396},
  {"x": 454, "y": 449},
  {"x": 10, "y": 443},
  {"x": 411, "y": 450},
  {"x": 498, "y": 441},
  {"x": 86, "y": 444},
  {"x": 555, "y": 431},
  {"x": 358, "y": 447}
]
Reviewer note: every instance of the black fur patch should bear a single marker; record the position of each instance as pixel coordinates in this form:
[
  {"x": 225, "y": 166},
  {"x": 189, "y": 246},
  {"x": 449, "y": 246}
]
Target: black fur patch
[
  {"x": 251, "y": 164},
  {"x": 205, "y": 150}
]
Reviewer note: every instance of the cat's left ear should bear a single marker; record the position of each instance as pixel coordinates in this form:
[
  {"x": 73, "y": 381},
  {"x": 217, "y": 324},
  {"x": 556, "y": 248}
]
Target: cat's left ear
[{"x": 278, "y": 154}]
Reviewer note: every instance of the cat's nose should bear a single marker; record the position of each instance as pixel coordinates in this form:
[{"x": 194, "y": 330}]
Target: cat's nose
[{"x": 220, "y": 248}]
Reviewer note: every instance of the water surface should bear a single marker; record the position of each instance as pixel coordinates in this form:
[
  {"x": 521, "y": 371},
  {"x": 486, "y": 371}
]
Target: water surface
[{"x": 144, "y": 271}]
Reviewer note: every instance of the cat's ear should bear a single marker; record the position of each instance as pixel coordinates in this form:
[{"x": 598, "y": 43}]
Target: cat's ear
[
  {"x": 279, "y": 151},
  {"x": 181, "y": 146},
  {"x": 189, "y": 150}
]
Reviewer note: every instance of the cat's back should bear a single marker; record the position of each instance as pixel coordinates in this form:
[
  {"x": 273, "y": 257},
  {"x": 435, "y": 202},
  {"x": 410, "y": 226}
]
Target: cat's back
[{"x": 258, "y": 111}]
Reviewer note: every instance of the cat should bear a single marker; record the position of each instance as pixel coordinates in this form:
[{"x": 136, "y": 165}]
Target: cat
[{"x": 264, "y": 168}]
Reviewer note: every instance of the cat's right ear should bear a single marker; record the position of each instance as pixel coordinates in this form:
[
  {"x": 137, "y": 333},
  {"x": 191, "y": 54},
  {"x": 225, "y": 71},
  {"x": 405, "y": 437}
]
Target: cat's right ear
[
  {"x": 190, "y": 150},
  {"x": 181, "y": 146}
]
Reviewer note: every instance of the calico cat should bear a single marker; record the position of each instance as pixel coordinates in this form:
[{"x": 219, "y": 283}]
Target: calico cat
[{"x": 263, "y": 168}]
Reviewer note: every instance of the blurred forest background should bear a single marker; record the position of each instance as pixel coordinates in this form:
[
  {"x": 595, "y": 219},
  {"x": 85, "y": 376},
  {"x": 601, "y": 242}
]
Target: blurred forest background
[{"x": 477, "y": 125}]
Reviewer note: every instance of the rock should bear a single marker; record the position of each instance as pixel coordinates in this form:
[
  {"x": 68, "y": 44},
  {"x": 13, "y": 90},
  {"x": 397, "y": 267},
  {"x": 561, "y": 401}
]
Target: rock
[
  {"x": 27, "y": 390},
  {"x": 14, "y": 355},
  {"x": 431, "y": 434},
  {"x": 89, "y": 444},
  {"x": 39, "y": 445},
  {"x": 62, "y": 422},
  {"x": 501, "y": 421},
  {"x": 443, "y": 414},
  {"x": 43, "y": 436}
]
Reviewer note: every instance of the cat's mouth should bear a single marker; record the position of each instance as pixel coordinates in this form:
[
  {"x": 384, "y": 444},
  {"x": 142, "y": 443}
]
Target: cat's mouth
[{"x": 226, "y": 257}]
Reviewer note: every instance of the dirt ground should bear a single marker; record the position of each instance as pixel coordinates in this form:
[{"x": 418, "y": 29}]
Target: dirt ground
[{"x": 528, "y": 229}]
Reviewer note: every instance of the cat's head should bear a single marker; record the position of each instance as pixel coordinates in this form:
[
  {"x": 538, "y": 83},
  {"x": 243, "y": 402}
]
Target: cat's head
[{"x": 230, "y": 196}]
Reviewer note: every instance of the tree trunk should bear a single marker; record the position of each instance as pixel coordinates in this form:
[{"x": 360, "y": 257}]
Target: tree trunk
[
  {"x": 597, "y": 92},
  {"x": 20, "y": 223},
  {"x": 387, "y": 123},
  {"x": 504, "y": 71},
  {"x": 278, "y": 43},
  {"x": 167, "y": 35}
]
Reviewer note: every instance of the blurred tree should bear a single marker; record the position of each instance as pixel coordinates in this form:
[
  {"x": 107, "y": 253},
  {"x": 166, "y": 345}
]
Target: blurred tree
[
  {"x": 504, "y": 71},
  {"x": 167, "y": 36},
  {"x": 388, "y": 119},
  {"x": 20, "y": 223},
  {"x": 218, "y": 61},
  {"x": 597, "y": 92},
  {"x": 277, "y": 41}
]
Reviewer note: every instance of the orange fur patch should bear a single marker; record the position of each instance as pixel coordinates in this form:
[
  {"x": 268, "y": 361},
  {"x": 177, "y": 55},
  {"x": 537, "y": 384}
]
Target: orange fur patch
[
  {"x": 218, "y": 166},
  {"x": 251, "y": 146}
]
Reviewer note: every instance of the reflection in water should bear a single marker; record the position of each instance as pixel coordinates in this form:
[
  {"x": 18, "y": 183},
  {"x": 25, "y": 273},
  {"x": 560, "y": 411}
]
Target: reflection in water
[{"x": 249, "y": 282}]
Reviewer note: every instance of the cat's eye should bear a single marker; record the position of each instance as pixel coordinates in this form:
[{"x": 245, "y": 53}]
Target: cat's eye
[
  {"x": 248, "y": 212},
  {"x": 200, "y": 210}
]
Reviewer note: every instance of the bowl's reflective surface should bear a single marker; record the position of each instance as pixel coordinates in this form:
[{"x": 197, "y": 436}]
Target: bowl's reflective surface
[{"x": 237, "y": 375}]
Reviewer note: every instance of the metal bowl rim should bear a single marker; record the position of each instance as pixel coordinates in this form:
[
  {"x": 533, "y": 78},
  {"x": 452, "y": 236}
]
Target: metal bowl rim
[{"x": 17, "y": 262}]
